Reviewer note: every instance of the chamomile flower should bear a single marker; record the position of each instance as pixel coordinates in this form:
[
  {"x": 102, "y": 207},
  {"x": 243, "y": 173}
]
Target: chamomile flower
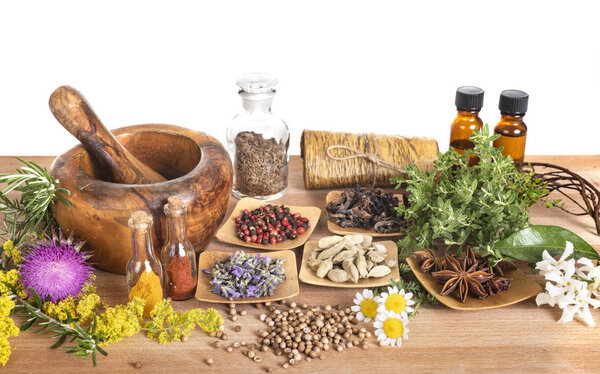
[
  {"x": 365, "y": 306},
  {"x": 397, "y": 301},
  {"x": 390, "y": 328}
]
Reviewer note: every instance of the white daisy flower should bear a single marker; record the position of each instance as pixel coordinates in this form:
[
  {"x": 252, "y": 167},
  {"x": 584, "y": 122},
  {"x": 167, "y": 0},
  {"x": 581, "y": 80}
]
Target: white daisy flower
[
  {"x": 390, "y": 328},
  {"x": 397, "y": 301},
  {"x": 365, "y": 306}
]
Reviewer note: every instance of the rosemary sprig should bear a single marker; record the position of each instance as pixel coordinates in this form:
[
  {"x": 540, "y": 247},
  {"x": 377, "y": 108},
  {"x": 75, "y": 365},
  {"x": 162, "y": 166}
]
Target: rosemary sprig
[
  {"x": 69, "y": 330},
  {"x": 28, "y": 214}
]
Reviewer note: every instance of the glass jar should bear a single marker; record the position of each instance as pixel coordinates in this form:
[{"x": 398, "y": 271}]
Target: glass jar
[
  {"x": 144, "y": 273},
  {"x": 258, "y": 142},
  {"x": 177, "y": 255}
]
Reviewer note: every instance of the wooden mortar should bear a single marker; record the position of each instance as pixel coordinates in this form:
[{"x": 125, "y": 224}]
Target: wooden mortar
[{"x": 196, "y": 166}]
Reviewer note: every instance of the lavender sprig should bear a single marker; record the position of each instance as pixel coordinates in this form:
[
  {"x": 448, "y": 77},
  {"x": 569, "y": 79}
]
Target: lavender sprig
[{"x": 242, "y": 275}]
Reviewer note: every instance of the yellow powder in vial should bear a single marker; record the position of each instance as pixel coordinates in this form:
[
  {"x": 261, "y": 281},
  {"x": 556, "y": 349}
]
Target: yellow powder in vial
[{"x": 149, "y": 288}]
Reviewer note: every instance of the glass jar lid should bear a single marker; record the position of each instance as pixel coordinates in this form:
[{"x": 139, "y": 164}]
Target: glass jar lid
[{"x": 257, "y": 83}]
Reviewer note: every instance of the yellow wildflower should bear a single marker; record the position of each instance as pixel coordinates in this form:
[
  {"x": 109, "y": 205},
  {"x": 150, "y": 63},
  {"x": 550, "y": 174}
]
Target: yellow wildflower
[
  {"x": 11, "y": 277},
  {"x": 119, "y": 322},
  {"x": 168, "y": 325},
  {"x": 85, "y": 306},
  {"x": 58, "y": 310},
  {"x": 7, "y": 328},
  {"x": 11, "y": 251}
]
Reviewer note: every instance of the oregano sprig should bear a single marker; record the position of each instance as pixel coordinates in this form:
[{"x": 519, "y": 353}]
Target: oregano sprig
[{"x": 459, "y": 205}]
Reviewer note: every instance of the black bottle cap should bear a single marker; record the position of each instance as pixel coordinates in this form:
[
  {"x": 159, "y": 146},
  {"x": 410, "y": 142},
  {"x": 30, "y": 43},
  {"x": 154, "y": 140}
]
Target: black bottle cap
[
  {"x": 469, "y": 98},
  {"x": 513, "y": 102}
]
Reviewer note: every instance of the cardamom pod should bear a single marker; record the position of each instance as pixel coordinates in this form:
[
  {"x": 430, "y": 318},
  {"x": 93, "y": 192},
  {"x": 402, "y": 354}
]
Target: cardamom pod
[
  {"x": 324, "y": 268},
  {"x": 376, "y": 256},
  {"x": 314, "y": 264},
  {"x": 351, "y": 269},
  {"x": 329, "y": 241},
  {"x": 330, "y": 252},
  {"x": 337, "y": 275},
  {"x": 379, "y": 271},
  {"x": 361, "y": 265},
  {"x": 344, "y": 255}
]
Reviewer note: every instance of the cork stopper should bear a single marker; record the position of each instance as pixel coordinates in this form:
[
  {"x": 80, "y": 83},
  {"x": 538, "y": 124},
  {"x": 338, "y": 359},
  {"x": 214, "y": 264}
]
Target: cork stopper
[
  {"x": 140, "y": 220},
  {"x": 175, "y": 206},
  {"x": 175, "y": 202}
]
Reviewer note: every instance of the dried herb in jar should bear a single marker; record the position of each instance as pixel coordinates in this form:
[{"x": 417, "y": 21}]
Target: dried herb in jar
[
  {"x": 261, "y": 166},
  {"x": 367, "y": 208}
]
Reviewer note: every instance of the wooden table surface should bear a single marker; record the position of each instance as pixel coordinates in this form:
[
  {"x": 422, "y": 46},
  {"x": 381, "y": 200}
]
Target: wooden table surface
[{"x": 518, "y": 338}]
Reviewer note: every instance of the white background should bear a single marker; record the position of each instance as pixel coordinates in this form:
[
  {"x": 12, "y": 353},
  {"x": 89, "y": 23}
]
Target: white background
[{"x": 371, "y": 66}]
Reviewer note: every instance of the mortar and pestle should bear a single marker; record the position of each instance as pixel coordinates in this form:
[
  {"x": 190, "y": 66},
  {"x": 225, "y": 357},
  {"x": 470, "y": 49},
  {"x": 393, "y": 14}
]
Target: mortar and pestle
[{"x": 111, "y": 175}]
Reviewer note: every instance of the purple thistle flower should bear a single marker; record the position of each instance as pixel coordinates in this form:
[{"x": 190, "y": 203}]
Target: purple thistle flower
[{"x": 55, "y": 269}]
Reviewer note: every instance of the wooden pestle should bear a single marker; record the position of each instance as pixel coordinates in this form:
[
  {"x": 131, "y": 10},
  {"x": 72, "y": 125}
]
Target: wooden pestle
[{"x": 76, "y": 115}]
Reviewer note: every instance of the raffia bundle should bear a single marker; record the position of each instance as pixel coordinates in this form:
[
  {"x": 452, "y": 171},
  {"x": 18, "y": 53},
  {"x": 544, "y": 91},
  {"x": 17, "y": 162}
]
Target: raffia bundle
[{"x": 337, "y": 159}]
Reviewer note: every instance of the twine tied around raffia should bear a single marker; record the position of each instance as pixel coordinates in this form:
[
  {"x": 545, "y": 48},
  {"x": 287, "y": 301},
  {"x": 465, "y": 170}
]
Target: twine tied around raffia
[{"x": 371, "y": 157}]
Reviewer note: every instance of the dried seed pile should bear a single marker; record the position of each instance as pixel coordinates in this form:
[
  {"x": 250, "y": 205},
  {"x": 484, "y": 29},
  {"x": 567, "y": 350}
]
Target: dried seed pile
[
  {"x": 261, "y": 166},
  {"x": 350, "y": 258},
  {"x": 305, "y": 333}
]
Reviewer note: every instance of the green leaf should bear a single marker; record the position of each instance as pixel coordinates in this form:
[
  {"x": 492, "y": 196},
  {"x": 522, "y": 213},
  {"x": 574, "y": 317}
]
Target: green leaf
[
  {"x": 28, "y": 324},
  {"x": 59, "y": 342},
  {"x": 528, "y": 244}
]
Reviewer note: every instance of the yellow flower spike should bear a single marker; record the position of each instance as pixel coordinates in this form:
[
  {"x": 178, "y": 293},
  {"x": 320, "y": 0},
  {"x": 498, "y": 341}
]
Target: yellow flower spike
[
  {"x": 7, "y": 328},
  {"x": 12, "y": 277}
]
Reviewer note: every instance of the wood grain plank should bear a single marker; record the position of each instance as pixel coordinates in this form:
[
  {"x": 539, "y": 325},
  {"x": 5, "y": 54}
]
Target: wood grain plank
[{"x": 517, "y": 338}]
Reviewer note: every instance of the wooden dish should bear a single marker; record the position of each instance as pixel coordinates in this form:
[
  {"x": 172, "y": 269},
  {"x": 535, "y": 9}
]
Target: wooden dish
[
  {"x": 521, "y": 288},
  {"x": 226, "y": 233},
  {"x": 286, "y": 289},
  {"x": 307, "y": 275},
  {"x": 337, "y": 229}
]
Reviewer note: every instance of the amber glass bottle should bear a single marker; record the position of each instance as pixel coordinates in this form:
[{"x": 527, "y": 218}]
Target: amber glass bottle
[
  {"x": 511, "y": 128},
  {"x": 469, "y": 101}
]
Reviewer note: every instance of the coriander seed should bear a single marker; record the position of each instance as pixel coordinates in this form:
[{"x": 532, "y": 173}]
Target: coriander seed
[
  {"x": 209, "y": 361},
  {"x": 137, "y": 365},
  {"x": 243, "y": 313},
  {"x": 237, "y": 328},
  {"x": 217, "y": 344}
]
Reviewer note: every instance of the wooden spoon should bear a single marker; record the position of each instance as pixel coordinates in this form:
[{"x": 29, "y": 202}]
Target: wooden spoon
[{"x": 76, "y": 115}]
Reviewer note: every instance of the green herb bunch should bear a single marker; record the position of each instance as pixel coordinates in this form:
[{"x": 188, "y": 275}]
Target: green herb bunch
[
  {"x": 461, "y": 205},
  {"x": 29, "y": 213}
]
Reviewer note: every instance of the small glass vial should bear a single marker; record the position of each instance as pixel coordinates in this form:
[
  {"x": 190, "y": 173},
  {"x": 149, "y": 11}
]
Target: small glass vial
[
  {"x": 469, "y": 101},
  {"x": 177, "y": 255},
  {"x": 511, "y": 128},
  {"x": 144, "y": 273},
  {"x": 258, "y": 142}
]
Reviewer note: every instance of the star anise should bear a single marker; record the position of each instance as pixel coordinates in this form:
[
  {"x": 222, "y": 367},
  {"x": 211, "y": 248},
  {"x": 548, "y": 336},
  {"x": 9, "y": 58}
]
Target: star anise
[
  {"x": 496, "y": 285},
  {"x": 426, "y": 260},
  {"x": 457, "y": 276}
]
